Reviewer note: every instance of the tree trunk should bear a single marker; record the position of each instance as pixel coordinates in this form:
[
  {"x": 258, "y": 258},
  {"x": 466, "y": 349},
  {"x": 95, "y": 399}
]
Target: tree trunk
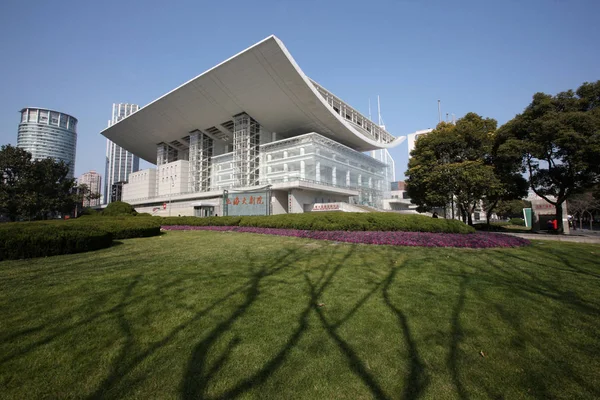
[
  {"x": 463, "y": 213},
  {"x": 561, "y": 228},
  {"x": 470, "y": 211},
  {"x": 488, "y": 212}
]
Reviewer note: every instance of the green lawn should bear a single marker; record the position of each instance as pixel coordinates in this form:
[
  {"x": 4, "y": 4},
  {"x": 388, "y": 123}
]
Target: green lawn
[{"x": 231, "y": 315}]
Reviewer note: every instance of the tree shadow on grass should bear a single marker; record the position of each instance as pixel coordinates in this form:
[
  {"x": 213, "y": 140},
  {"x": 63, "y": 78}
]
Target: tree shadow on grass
[
  {"x": 549, "y": 288},
  {"x": 55, "y": 334},
  {"x": 199, "y": 374},
  {"x": 126, "y": 364},
  {"x": 456, "y": 336},
  {"x": 358, "y": 367},
  {"x": 526, "y": 285},
  {"x": 417, "y": 379}
]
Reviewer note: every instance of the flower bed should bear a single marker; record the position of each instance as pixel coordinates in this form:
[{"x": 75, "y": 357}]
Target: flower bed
[{"x": 424, "y": 239}]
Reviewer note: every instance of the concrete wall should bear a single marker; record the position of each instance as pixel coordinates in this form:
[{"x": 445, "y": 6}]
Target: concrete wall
[
  {"x": 279, "y": 202},
  {"x": 183, "y": 208},
  {"x": 173, "y": 178},
  {"x": 304, "y": 199},
  {"x": 141, "y": 185}
]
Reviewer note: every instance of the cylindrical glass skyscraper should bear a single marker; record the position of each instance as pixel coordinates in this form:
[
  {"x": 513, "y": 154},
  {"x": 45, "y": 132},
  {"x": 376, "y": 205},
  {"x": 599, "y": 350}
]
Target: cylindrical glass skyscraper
[{"x": 48, "y": 134}]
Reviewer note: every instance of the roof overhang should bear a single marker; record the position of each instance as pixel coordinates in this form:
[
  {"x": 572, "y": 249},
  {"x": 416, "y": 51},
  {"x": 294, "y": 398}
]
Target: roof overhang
[{"x": 263, "y": 81}]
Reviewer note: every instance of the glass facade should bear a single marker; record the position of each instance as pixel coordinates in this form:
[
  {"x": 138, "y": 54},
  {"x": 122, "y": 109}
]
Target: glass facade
[
  {"x": 119, "y": 162},
  {"x": 48, "y": 134},
  {"x": 311, "y": 158}
]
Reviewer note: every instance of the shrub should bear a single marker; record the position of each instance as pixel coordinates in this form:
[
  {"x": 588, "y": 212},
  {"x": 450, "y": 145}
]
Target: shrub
[
  {"x": 143, "y": 215},
  {"x": 331, "y": 221},
  {"x": 517, "y": 221},
  {"x": 27, "y": 240},
  {"x": 118, "y": 208},
  {"x": 196, "y": 221},
  {"x": 89, "y": 212},
  {"x": 48, "y": 238},
  {"x": 122, "y": 227}
]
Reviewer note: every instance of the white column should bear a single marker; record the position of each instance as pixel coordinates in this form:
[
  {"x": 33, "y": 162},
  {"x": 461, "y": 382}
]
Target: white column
[
  {"x": 302, "y": 169},
  {"x": 334, "y": 175},
  {"x": 348, "y": 178},
  {"x": 318, "y": 171}
]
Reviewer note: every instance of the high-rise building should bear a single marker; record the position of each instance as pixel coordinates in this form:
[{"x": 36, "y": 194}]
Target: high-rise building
[
  {"x": 48, "y": 134},
  {"x": 119, "y": 162},
  {"x": 93, "y": 180}
]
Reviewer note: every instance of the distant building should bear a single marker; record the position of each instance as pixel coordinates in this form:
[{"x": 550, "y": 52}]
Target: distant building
[
  {"x": 398, "y": 200},
  {"x": 119, "y": 162},
  {"x": 93, "y": 180},
  {"x": 411, "y": 139},
  {"x": 116, "y": 191},
  {"x": 48, "y": 134}
]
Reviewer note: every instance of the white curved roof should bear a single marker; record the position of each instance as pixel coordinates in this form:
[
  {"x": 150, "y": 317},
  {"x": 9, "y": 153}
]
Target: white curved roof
[{"x": 263, "y": 81}]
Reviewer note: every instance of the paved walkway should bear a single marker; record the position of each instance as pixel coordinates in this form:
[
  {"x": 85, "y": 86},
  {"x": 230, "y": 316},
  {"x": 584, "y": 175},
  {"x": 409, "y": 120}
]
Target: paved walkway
[{"x": 578, "y": 238}]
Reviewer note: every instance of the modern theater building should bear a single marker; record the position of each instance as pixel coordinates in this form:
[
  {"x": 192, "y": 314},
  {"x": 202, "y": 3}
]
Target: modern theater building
[{"x": 253, "y": 135}]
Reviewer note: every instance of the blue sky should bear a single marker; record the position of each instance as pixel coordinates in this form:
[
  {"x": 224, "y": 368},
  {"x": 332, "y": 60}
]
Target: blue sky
[{"x": 484, "y": 56}]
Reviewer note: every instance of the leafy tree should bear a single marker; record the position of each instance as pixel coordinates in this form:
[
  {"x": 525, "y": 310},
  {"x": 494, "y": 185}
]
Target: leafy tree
[
  {"x": 557, "y": 139},
  {"x": 511, "y": 208},
  {"x": 582, "y": 205},
  {"x": 14, "y": 169},
  {"x": 49, "y": 190},
  {"x": 85, "y": 196},
  {"x": 457, "y": 163},
  {"x": 33, "y": 189}
]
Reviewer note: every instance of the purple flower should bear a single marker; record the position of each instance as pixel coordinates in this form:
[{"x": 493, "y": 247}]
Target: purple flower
[{"x": 393, "y": 238}]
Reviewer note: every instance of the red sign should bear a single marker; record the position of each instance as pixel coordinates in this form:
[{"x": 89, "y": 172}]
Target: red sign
[
  {"x": 164, "y": 206},
  {"x": 326, "y": 207},
  {"x": 237, "y": 200}
]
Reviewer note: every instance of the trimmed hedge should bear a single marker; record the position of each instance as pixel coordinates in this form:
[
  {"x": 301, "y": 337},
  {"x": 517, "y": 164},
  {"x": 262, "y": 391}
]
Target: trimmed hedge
[
  {"x": 122, "y": 227},
  {"x": 89, "y": 212},
  {"x": 28, "y": 240},
  {"x": 49, "y": 238},
  {"x": 331, "y": 221},
  {"x": 118, "y": 208},
  {"x": 517, "y": 221},
  {"x": 197, "y": 221}
]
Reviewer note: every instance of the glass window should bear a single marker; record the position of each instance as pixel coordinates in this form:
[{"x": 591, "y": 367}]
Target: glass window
[{"x": 53, "y": 118}]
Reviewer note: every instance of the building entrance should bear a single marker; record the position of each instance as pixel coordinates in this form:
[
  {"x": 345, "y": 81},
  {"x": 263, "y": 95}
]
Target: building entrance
[{"x": 204, "y": 211}]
